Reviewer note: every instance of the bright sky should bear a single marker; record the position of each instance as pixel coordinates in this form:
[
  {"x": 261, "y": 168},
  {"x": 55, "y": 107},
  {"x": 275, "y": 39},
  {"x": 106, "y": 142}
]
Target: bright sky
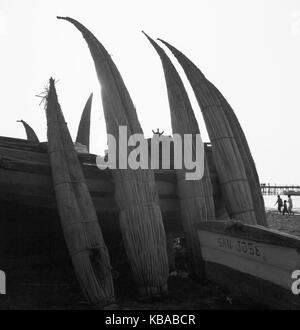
[{"x": 249, "y": 49}]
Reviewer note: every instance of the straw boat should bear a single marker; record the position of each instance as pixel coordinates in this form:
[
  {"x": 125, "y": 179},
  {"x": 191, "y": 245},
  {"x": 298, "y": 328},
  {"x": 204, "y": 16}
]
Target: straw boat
[
  {"x": 252, "y": 261},
  {"x": 196, "y": 199},
  {"x": 228, "y": 159},
  {"x": 79, "y": 221},
  {"x": 248, "y": 161},
  {"x": 140, "y": 215}
]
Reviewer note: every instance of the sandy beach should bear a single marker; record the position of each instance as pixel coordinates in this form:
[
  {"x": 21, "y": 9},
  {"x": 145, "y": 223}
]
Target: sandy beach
[{"x": 285, "y": 223}]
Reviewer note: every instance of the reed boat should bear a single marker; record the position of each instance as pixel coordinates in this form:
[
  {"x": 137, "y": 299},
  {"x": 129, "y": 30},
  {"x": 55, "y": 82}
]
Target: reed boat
[
  {"x": 234, "y": 163},
  {"x": 195, "y": 196},
  {"x": 253, "y": 261}
]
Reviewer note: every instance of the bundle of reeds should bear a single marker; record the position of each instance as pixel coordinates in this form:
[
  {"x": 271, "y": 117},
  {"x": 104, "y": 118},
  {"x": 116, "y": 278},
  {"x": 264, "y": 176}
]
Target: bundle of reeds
[
  {"x": 140, "y": 215},
  {"x": 83, "y": 134},
  {"x": 79, "y": 221},
  {"x": 229, "y": 163},
  {"x": 196, "y": 196},
  {"x": 251, "y": 172},
  {"x": 30, "y": 133}
]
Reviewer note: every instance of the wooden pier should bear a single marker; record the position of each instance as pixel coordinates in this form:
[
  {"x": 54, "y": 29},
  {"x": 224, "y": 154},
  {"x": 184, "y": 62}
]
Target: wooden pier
[{"x": 268, "y": 189}]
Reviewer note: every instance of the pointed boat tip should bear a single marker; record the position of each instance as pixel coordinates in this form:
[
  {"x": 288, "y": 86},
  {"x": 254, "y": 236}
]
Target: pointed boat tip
[
  {"x": 69, "y": 19},
  {"x": 51, "y": 87},
  {"x": 160, "y": 40},
  {"x": 149, "y": 38},
  {"x": 177, "y": 53},
  {"x": 85, "y": 31},
  {"x": 90, "y": 99},
  {"x": 145, "y": 33},
  {"x": 181, "y": 57},
  {"x": 174, "y": 50},
  {"x": 151, "y": 41},
  {"x": 167, "y": 44},
  {"x": 51, "y": 81},
  {"x": 161, "y": 52}
]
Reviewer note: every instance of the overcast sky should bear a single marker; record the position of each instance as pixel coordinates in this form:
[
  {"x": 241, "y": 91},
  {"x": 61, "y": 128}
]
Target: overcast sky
[{"x": 249, "y": 49}]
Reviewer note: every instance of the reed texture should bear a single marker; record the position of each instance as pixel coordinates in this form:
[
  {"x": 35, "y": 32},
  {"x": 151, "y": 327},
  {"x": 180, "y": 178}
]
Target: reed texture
[
  {"x": 229, "y": 163},
  {"x": 251, "y": 172},
  {"x": 79, "y": 220},
  {"x": 196, "y": 196},
  {"x": 136, "y": 196}
]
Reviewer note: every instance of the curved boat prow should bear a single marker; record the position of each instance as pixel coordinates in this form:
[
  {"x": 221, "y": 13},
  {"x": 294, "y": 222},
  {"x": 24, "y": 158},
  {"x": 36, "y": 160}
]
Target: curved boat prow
[
  {"x": 31, "y": 136},
  {"x": 83, "y": 134}
]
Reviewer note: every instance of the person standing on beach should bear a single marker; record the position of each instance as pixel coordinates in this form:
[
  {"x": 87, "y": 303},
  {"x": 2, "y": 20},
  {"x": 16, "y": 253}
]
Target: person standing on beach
[
  {"x": 279, "y": 202},
  {"x": 285, "y": 209},
  {"x": 290, "y": 204}
]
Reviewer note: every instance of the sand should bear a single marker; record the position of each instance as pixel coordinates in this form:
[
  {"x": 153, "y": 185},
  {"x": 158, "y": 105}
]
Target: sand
[{"x": 285, "y": 223}]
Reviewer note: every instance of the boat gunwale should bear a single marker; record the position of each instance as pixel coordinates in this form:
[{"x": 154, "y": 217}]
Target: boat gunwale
[{"x": 255, "y": 233}]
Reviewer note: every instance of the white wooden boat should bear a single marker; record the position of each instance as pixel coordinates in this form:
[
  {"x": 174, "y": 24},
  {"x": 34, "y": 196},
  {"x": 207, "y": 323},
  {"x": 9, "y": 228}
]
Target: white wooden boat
[{"x": 252, "y": 261}]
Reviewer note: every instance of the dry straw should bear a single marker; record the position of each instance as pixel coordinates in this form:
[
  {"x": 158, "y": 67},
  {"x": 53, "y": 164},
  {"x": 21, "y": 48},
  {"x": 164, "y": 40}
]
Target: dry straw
[
  {"x": 196, "y": 197},
  {"x": 251, "y": 172},
  {"x": 31, "y": 136},
  {"x": 77, "y": 213},
  {"x": 229, "y": 163},
  {"x": 83, "y": 134},
  {"x": 140, "y": 215}
]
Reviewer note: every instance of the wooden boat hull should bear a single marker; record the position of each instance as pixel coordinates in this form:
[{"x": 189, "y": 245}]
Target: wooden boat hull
[
  {"x": 254, "y": 261},
  {"x": 29, "y": 221},
  {"x": 25, "y": 179}
]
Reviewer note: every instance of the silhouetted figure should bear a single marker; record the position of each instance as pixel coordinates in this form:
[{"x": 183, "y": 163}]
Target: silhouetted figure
[
  {"x": 279, "y": 202},
  {"x": 285, "y": 209},
  {"x": 290, "y": 208}
]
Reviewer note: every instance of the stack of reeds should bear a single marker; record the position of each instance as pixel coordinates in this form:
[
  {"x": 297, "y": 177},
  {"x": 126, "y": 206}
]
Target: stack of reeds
[
  {"x": 81, "y": 229},
  {"x": 229, "y": 162},
  {"x": 196, "y": 196},
  {"x": 30, "y": 133},
  {"x": 83, "y": 134},
  {"x": 136, "y": 196},
  {"x": 251, "y": 172}
]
